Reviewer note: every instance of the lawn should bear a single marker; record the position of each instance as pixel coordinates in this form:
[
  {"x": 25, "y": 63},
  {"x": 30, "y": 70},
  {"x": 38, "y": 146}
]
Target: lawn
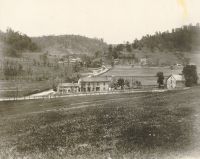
[
  {"x": 143, "y": 125},
  {"x": 22, "y": 88},
  {"x": 146, "y": 75},
  {"x": 140, "y": 71}
]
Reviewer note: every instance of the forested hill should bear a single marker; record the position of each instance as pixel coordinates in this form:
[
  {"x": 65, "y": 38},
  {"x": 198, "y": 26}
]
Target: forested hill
[
  {"x": 70, "y": 44},
  {"x": 15, "y": 43},
  {"x": 186, "y": 38}
]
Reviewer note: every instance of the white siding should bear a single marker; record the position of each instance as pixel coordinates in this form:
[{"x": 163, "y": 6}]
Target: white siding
[{"x": 171, "y": 83}]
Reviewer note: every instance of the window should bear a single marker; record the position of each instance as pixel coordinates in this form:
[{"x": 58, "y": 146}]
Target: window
[
  {"x": 104, "y": 83},
  {"x": 97, "y": 88},
  {"x": 97, "y": 83},
  {"x": 83, "y": 84}
]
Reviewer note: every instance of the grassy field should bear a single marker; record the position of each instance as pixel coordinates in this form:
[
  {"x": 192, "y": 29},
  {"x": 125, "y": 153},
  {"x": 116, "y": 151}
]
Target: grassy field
[
  {"x": 143, "y": 125},
  {"x": 140, "y": 71},
  {"x": 146, "y": 75},
  {"x": 22, "y": 88}
]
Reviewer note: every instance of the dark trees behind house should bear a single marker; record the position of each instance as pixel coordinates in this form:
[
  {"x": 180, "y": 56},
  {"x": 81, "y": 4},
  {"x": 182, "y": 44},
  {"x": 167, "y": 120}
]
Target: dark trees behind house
[
  {"x": 16, "y": 43},
  {"x": 190, "y": 74}
]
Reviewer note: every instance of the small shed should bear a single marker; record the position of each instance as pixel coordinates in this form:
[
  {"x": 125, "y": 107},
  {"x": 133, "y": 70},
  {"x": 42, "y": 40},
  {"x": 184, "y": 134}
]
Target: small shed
[{"x": 175, "y": 81}]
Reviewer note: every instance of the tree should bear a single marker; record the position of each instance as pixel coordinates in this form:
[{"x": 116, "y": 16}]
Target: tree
[
  {"x": 87, "y": 60},
  {"x": 179, "y": 39},
  {"x": 110, "y": 48},
  {"x": 16, "y": 43},
  {"x": 12, "y": 69},
  {"x": 110, "y": 51},
  {"x": 137, "y": 84},
  {"x": 190, "y": 74},
  {"x": 97, "y": 54},
  {"x": 127, "y": 83},
  {"x": 114, "y": 84},
  {"x": 77, "y": 67},
  {"x": 128, "y": 47},
  {"x": 44, "y": 58},
  {"x": 160, "y": 79},
  {"x": 121, "y": 83},
  {"x": 119, "y": 47}
]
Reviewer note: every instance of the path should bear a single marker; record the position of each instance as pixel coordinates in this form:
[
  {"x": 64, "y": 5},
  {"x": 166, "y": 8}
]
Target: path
[{"x": 48, "y": 95}]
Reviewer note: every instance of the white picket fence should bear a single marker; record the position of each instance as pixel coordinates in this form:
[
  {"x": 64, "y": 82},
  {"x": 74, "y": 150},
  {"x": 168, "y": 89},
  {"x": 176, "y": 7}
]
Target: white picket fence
[{"x": 80, "y": 94}]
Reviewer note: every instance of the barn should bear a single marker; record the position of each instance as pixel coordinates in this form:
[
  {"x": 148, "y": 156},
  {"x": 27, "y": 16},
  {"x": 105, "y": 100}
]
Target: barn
[{"x": 175, "y": 81}]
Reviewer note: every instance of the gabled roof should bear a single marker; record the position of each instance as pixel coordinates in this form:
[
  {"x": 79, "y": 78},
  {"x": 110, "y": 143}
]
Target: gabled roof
[
  {"x": 95, "y": 79},
  {"x": 177, "y": 77},
  {"x": 68, "y": 85}
]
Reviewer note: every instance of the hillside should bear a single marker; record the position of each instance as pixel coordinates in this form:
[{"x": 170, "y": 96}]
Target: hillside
[
  {"x": 14, "y": 43},
  {"x": 180, "y": 45},
  {"x": 185, "y": 38},
  {"x": 69, "y": 44}
]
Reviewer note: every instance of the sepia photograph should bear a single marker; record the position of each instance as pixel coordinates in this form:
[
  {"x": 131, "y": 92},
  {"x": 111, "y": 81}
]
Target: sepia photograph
[{"x": 99, "y": 79}]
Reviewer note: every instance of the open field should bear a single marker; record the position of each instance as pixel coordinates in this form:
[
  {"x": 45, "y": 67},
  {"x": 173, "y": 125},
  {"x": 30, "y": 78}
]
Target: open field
[
  {"x": 22, "y": 88},
  {"x": 140, "y": 71},
  {"x": 146, "y": 75},
  {"x": 143, "y": 125}
]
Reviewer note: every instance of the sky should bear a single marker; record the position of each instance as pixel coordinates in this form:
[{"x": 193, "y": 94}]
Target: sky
[{"x": 115, "y": 21}]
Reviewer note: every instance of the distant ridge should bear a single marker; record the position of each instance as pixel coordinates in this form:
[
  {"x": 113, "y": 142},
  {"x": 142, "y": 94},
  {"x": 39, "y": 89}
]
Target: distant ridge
[{"x": 70, "y": 44}]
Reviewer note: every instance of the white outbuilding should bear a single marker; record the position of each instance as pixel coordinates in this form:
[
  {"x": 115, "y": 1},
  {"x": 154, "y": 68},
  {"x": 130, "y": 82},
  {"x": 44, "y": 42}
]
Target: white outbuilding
[{"x": 175, "y": 81}]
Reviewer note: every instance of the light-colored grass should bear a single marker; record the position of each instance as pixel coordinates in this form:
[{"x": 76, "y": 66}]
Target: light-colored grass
[
  {"x": 144, "y": 125},
  {"x": 140, "y": 71},
  {"x": 22, "y": 88}
]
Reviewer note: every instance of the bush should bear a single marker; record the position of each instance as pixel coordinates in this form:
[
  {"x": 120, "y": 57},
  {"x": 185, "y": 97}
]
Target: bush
[{"x": 190, "y": 74}]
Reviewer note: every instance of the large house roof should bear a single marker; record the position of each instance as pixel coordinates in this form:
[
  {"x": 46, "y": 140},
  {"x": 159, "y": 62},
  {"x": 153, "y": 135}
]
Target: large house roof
[
  {"x": 95, "y": 79},
  {"x": 68, "y": 85}
]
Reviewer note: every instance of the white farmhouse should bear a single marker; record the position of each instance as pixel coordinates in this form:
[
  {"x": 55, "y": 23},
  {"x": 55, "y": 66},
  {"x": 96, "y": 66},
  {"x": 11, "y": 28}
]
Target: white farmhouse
[
  {"x": 94, "y": 84},
  {"x": 175, "y": 81},
  {"x": 65, "y": 88}
]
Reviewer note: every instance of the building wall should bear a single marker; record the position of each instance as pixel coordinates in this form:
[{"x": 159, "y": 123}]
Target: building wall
[
  {"x": 94, "y": 86},
  {"x": 171, "y": 83},
  {"x": 63, "y": 89},
  {"x": 180, "y": 84}
]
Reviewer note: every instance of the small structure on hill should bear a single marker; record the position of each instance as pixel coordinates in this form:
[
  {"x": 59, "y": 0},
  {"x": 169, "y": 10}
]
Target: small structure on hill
[
  {"x": 65, "y": 88},
  {"x": 175, "y": 81},
  {"x": 143, "y": 61},
  {"x": 94, "y": 84}
]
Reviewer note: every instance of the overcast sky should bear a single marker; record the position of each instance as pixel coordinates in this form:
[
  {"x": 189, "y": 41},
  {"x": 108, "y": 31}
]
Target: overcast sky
[{"x": 115, "y": 21}]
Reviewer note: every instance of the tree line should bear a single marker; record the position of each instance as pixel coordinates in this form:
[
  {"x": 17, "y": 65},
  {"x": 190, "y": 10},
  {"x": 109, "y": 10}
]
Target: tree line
[
  {"x": 183, "y": 39},
  {"x": 16, "y": 43}
]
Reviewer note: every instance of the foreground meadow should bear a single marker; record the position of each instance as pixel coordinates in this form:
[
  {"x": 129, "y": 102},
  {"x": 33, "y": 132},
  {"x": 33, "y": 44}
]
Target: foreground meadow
[{"x": 143, "y": 125}]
